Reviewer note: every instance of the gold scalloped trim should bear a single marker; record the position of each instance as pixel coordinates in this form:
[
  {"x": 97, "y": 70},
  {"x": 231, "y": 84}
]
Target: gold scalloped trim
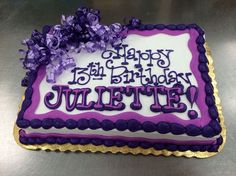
[{"x": 126, "y": 150}]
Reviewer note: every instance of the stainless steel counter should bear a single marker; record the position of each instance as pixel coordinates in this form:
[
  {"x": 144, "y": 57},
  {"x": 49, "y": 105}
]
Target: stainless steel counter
[{"x": 19, "y": 18}]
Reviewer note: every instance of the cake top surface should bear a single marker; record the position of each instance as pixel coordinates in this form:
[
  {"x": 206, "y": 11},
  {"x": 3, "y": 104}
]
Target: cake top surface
[{"x": 144, "y": 60}]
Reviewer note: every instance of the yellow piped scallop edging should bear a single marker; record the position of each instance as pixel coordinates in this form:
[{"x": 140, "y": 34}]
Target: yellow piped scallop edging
[{"x": 126, "y": 150}]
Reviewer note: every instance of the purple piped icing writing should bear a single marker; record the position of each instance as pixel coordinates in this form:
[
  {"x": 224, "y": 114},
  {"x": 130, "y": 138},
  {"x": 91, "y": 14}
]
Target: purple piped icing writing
[
  {"x": 133, "y": 66},
  {"x": 172, "y": 104},
  {"x": 143, "y": 65},
  {"x": 49, "y": 96},
  {"x": 136, "y": 104},
  {"x": 192, "y": 94}
]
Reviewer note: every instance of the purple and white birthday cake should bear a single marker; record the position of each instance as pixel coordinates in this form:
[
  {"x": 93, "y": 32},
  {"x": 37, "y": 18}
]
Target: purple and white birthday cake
[{"x": 132, "y": 88}]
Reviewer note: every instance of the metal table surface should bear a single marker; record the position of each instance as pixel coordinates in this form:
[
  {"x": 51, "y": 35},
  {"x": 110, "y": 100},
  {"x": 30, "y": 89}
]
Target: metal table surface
[{"x": 19, "y": 18}]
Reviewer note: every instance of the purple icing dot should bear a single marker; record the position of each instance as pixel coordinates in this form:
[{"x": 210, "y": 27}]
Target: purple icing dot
[
  {"x": 200, "y": 31},
  {"x": 203, "y": 58},
  {"x": 163, "y": 127},
  {"x": 94, "y": 124},
  {"x": 171, "y": 147},
  {"x": 82, "y": 124},
  {"x": 36, "y": 123},
  {"x": 193, "y": 130},
  {"x": 183, "y": 147},
  {"x": 145, "y": 145},
  {"x": 58, "y": 123},
  {"x": 71, "y": 124},
  {"x": 181, "y": 26},
  {"x": 177, "y": 129},
  {"x": 160, "y": 26},
  {"x": 26, "y": 103},
  {"x": 192, "y": 114},
  {"x": 109, "y": 143},
  {"x": 196, "y": 148},
  {"x": 107, "y": 125},
  {"x": 21, "y": 114},
  {"x": 219, "y": 140},
  {"x": 134, "y": 125},
  {"x": 74, "y": 140},
  {"x": 202, "y": 67},
  {"x": 213, "y": 148},
  {"x": 47, "y": 123},
  {"x": 159, "y": 146},
  {"x": 61, "y": 140},
  {"x": 51, "y": 140},
  {"x": 149, "y": 127},
  {"x": 149, "y": 26},
  {"x": 121, "y": 125},
  {"x": 171, "y": 27},
  {"x": 142, "y": 27},
  {"x": 201, "y": 49},
  {"x": 96, "y": 142},
  {"x": 23, "y": 123},
  {"x": 24, "y": 82},
  {"x": 206, "y": 77},
  {"x": 208, "y": 131},
  {"x": 133, "y": 144},
  {"x": 213, "y": 112},
  {"x": 209, "y": 89},
  {"x": 200, "y": 40},
  {"x": 40, "y": 140},
  {"x": 23, "y": 140},
  {"x": 205, "y": 147},
  {"x": 85, "y": 141},
  {"x": 29, "y": 92},
  {"x": 209, "y": 100},
  {"x": 216, "y": 126},
  {"x": 192, "y": 25},
  {"x": 120, "y": 143}
]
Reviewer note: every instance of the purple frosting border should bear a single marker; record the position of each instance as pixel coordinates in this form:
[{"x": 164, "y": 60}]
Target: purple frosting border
[
  {"x": 203, "y": 120},
  {"x": 95, "y": 136}
]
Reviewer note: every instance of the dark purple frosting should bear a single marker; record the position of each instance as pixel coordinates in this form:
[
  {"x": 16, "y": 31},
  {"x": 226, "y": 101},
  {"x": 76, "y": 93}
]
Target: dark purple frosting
[
  {"x": 107, "y": 125},
  {"x": 149, "y": 127},
  {"x": 83, "y": 124},
  {"x": 36, "y": 123},
  {"x": 193, "y": 130},
  {"x": 121, "y": 143},
  {"x": 177, "y": 129},
  {"x": 71, "y": 124},
  {"x": 134, "y": 125},
  {"x": 163, "y": 127},
  {"x": 47, "y": 123},
  {"x": 94, "y": 124},
  {"x": 59, "y": 123}
]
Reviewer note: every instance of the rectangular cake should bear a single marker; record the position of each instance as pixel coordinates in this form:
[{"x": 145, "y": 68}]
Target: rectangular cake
[{"x": 154, "y": 93}]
